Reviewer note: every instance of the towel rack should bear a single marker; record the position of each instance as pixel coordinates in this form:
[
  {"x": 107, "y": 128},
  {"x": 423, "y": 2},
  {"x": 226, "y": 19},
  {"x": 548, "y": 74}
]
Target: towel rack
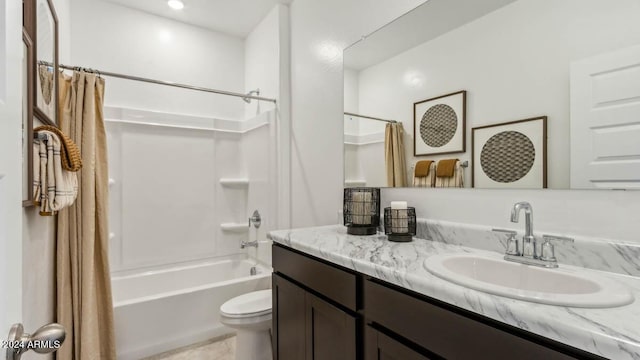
[{"x": 463, "y": 164}]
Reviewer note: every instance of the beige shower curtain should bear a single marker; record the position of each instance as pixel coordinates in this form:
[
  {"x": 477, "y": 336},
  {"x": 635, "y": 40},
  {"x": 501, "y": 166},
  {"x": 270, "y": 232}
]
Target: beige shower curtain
[
  {"x": 84, "y": 305},
  {"x": 394, "y": 155}
]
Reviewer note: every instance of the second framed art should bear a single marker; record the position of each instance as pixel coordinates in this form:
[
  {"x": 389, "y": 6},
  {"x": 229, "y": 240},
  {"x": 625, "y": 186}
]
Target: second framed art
[
  {"x": 510, "y": 155},
  {"x": 439, "y": 125}
]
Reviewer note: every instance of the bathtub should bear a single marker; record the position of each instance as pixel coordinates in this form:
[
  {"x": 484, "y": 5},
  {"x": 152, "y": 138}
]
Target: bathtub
[{"x": 161, "y": 310}]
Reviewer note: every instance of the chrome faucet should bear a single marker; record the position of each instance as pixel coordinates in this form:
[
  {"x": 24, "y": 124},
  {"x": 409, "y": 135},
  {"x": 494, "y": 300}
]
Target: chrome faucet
[
  {"x": 528, "y": 241},
  {"x": 245, "y": 244},
  {"x": 529, "y": 254}
]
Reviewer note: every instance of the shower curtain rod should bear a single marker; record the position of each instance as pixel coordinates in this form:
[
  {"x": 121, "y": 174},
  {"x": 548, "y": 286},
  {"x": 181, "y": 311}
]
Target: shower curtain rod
[
  {"x": 167, "y": 83},
  {"x": 369, "y": 117}
]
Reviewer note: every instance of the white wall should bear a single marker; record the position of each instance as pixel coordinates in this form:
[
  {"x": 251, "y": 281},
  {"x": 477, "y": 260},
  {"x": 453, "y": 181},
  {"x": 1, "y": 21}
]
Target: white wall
[
  {"x": 114, "y": 38},
  {"x": 262, "y": 61},
  {"x": 320, "y": 30},
  {"x": 514, "y": 63}
]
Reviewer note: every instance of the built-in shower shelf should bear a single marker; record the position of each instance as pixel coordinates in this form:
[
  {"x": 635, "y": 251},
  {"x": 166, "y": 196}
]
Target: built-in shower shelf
[
  {"x": 234, "y": 227},
  {"x": 235, "y": 183},
  {"x": 350, "y": 183}
]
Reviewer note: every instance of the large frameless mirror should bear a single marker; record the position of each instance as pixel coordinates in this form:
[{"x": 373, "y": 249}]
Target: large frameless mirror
[{"x": 525, "y": 94}]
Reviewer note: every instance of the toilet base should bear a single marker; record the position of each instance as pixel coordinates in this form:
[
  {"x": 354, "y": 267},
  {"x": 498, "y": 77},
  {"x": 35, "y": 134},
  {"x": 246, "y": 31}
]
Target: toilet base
[{"x": 253, "y": 345}]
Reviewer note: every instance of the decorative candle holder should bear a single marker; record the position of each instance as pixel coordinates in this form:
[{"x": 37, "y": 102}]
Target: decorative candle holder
[
  {"x": 361, "y": 210},
  {"x": 400, "y": 224}
]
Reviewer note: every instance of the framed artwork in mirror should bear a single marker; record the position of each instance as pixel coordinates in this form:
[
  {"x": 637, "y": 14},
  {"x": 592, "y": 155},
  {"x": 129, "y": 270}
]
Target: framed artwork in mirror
[
  {"x": 510, "y": 155},
  {"x": 27, "y": 120},
  {"x": 41, "y": 23},
  {"x": 439, "y": 124}
]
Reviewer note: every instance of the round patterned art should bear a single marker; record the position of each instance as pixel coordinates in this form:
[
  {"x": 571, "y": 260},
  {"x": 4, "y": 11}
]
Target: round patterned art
[
  {"x": 438, "y": 125},
  {"x": 507, "y": 156}
]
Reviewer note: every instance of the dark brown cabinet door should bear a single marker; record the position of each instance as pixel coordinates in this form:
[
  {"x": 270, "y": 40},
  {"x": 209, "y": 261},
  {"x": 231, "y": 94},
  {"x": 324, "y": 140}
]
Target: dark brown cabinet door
[
  {"x": 331, "y": 332},
  {"x": 381, "y": 347},
  {"x": 288, "y": 320}
]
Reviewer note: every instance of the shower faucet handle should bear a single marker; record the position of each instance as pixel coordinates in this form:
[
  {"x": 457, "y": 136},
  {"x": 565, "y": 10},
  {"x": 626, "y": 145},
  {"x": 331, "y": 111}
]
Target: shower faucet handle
[{"x": 256, "y": 219}]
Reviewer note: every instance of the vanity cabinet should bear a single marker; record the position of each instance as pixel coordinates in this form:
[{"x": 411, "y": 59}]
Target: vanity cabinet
[
  {"x": 382, "y": 347},
  {"x": 324, "y": 311},
  {"x": 314, "y": 309},
  {"x": 308, "y": 327}
]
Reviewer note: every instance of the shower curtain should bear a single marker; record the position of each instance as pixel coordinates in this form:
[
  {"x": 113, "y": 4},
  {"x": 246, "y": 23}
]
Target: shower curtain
[
  {"x": 84, "y": 304},
  {"x": 394, "y": 155}
]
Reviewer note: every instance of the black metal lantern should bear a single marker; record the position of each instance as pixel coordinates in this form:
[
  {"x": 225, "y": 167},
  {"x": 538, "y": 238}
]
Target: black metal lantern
[
  {"x": 361, "y": 210},
  {"x": 400, "y": 224}
]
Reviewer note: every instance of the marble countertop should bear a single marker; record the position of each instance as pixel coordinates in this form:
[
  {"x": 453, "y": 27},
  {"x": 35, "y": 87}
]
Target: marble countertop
[{"x": 613, "y": 333}]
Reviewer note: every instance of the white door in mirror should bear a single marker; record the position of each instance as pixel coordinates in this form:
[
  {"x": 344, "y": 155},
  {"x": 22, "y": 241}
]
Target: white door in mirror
[
  {"x": 605, "y": 108},
  {"x": 567, "y": 286}
]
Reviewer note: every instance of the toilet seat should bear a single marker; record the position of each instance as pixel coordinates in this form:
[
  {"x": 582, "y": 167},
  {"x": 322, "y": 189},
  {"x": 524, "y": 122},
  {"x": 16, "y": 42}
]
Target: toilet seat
[{"x": 253, "y": 304}]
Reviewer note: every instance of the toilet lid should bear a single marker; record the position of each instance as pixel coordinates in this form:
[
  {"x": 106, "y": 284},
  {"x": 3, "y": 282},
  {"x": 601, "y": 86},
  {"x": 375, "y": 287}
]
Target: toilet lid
[{"x": 252, "y": 304}]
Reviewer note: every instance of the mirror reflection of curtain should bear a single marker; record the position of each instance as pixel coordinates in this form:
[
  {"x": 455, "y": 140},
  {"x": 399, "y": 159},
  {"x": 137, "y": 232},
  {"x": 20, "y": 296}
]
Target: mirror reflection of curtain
[
  {"x": 84, "y": 302},
  {"x": 45, "y": 90},
  {"x": 395, "y": 156}
]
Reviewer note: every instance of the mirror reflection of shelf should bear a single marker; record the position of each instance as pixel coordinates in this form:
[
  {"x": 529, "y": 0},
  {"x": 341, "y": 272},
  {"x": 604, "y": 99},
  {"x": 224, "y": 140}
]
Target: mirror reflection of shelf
[
  {"x": 355, "y": 183},
  {"x": 234, "y": 227},
  {"x": 234, "y": 182}
]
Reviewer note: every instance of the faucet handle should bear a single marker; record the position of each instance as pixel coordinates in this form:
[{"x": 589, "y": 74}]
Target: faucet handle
[
  {"x": 548, "y": 252},
  {"x": 548, "y": 238},
  {"x": 512, "y": 242},
  {"x": 505, "y": 231}
]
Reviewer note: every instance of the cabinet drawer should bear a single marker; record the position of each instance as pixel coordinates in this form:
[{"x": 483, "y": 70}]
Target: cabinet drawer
[
  {"x": 333, "y": 283},
  {"x": 452, "y": 335}
]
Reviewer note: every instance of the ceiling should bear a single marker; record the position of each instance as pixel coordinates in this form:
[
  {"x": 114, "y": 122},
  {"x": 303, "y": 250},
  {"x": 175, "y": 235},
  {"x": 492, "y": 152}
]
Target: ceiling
[
  {"x": 426, "y": 22},
  {"x": 233, "y": 17}
]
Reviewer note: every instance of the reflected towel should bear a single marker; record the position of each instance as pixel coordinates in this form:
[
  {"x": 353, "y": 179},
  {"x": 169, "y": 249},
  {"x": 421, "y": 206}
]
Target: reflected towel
[
  {"x": 54, "y": 188},
  {"x": 455, "y": 181},
  {"x": 422, "y": 168},
  {"x": 446, "y": 168},
  {"x": 425, "y": 181}
]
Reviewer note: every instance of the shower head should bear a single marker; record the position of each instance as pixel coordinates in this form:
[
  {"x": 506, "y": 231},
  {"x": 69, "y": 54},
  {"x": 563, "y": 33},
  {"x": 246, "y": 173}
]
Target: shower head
[{"x": 248, "y": 100}]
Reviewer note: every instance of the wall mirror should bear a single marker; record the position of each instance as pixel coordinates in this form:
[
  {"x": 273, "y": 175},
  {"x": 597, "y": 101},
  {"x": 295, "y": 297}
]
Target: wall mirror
[
  {"x": 27, "y": 120},
  {"x": 514, "y": 93},
  {"x": 46, "y": 79}
]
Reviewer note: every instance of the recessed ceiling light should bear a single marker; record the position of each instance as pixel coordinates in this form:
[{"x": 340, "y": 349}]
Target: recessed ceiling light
[{"x": 176, "y": 4}]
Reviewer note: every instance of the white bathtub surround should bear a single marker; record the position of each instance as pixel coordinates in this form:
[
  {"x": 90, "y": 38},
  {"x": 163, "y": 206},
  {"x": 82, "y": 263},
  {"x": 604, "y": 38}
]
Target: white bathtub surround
[
  {"x": 151, "y": 152},
  {"x": 612, "y": 333},
  {"x": 588, "y": 252},
  {"x": 157, "y": 311}
]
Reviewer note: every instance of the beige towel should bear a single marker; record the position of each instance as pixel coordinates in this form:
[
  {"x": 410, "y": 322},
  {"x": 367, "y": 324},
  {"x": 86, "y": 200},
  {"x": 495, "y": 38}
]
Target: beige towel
[
  {"x": 425, "y": 181},
  {"x": 455, "y": 181},
  {"x": 69, "y": 152},
  {"x": 54, "y": 188},
  {"x": 422, "y": 168},
  {"x": 446, "y": 167}
]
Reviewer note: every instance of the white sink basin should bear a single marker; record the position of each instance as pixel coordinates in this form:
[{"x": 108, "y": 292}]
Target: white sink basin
[{"x": 563, "y": 286}]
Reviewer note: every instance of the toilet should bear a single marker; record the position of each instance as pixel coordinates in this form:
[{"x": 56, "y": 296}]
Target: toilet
[{"x": 250, "y": 316}]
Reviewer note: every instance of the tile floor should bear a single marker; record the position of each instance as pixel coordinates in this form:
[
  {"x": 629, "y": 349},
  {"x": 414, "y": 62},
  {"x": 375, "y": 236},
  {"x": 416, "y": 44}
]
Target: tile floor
[{"x": 215, "y": 349}]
